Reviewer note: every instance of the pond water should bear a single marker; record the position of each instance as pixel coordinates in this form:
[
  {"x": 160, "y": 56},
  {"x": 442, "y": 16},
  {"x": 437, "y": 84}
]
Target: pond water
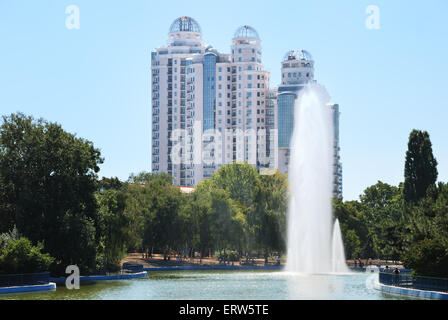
[{"x": 218, "y": 285}]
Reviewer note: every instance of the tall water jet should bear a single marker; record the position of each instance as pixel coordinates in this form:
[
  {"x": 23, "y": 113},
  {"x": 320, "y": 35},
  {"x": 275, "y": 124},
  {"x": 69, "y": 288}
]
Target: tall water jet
[
  {"x": 311, "y": 183},
  {"x": 339, "y": 263}
]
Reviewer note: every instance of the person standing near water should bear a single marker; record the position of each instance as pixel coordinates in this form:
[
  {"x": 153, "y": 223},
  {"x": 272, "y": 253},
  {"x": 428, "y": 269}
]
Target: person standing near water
[{"x": 396, "y": 278}]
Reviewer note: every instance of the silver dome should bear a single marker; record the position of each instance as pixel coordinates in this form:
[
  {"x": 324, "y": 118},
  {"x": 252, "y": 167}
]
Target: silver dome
[
  {"x": 185, "y": 24},
  {"x": 298, "y": 55},
  {"x": 246, "y": 32}
]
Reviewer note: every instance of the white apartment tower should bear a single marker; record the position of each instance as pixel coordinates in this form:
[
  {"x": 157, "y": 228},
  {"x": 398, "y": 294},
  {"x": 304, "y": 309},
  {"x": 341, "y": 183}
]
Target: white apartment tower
[
  {"x": 210, "y": 108},
  {"x": 298, "y": 71}
]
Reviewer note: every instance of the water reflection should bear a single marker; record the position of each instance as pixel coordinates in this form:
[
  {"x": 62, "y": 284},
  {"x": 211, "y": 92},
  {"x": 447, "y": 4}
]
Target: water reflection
[
  {"x": 305, "y": 287},
  {"x": 218, "y": 285}
]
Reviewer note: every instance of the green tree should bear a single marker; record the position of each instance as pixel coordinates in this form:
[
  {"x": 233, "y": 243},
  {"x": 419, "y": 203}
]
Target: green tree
[
  {"x": 49, "y": 178},
  {"x": 426, "y": 251},
  {"x": 114, "y": 226},
  {"x": 267, "y": 218},
  {"x": 109, "y": 183},
  {"x": 7, "y": 237},
  {"x": 420, "y": 170},
  {"x": 158, "y": 204},
  {"x": 222, "y": 216},
  {"x": 352, "y": 244},
  {"x": 241, "y": 180},
  {"x": 384, "y": 214},
  {"x": 200, "y": 224},
  {"x": 7, "y": 213},
  {"x": 354, "y": 228}
]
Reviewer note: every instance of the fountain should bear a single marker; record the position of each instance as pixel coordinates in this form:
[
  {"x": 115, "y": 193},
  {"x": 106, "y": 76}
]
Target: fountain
[
  {"x": 339, "y": 264},
  {"x": 314, "y": 246}
]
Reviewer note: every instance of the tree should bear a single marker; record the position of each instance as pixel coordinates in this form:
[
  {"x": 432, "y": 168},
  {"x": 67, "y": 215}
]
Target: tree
[
  {"x": 426, "y": 252},
  {"x": 48, "y": 179},
  {"x": 384, "y": 218},
  {"x": 7, "y": 237},
  {"x": 428, "y": 257},
  {"x": 114, "y": 227},
  {"x": 197, "y": 216},
  {"x": 352, "y": 244},
  {"x": 158, "y": 205},
  {"x": 420, "y": 169},
  {"x": 221, "y": 221},
  {"x": 352, "y": 216},
  {"x": 7, "y": 213},
  {"x": 109, "y": 183},
  {"x": 267, "y": 218},
  {"x": 240, "y": 180}
]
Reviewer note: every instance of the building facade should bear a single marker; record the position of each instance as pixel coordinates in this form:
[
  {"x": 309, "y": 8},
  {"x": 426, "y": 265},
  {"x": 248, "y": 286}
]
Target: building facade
[
  {"x": 297, "y": 71},
  {"x": 211, "y": 108}
]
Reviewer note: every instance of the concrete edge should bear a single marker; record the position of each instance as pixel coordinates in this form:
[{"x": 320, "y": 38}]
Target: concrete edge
[
  {"x": 209, "y": 268},
  {"x": 411, "y": 292},
  {"x": 41, "y": 287},
  {"x": 105, "y": 277}
]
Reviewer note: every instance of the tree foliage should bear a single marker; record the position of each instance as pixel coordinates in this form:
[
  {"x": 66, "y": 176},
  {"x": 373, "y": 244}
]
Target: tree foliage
[
  {"x": 47, "y": 184},
  {"x": 20, "y": 256},
  {"x": 420, "y": 171}
]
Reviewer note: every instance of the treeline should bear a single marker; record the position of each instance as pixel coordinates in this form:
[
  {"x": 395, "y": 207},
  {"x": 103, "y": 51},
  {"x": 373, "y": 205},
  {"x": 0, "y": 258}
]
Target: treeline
[
  {"x": 48, "y": 192},
  {"x": 408, "y": 222},
  {"x": 54, "y": 211},
  {"x": 236, "y": 210}
]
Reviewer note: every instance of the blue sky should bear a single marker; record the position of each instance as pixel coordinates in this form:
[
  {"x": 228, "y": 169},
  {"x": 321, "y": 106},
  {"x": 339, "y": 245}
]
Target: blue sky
[{"x": 95, "y": 81}]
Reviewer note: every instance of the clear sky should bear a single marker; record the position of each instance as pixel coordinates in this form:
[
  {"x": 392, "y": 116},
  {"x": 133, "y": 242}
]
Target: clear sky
[{"x": 95, "y": 81}]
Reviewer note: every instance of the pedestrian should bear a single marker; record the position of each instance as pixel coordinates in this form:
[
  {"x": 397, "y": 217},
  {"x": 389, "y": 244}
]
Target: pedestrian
[{"x": 396, "y": 276}]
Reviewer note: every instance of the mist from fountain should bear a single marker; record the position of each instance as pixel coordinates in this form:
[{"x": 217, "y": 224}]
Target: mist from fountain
[{"x": 311, "y": 248}]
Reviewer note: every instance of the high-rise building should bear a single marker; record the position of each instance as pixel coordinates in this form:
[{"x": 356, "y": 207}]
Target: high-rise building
[
  {"x": 297, "y": 72},
  {"x": 211, "y": 108}
]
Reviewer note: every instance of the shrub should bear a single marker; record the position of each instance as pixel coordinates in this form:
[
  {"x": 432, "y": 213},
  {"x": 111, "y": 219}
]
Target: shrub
[{"x": 20, "y": 256}]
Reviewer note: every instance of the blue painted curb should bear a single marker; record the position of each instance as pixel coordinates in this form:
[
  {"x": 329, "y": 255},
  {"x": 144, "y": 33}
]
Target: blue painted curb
[
  {"x": 40, "y": 287},
  {"x": 381, "y": 269},
  {"x": 105, "y": 277},
  {"x": 208, "y": 268},
  {"x": 411, "y": 292}
]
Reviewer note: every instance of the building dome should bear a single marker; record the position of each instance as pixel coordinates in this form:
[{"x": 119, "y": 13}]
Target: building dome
[
  {"x": 298, "y": 55},
  {"x": 185, "y": 24},
  {"x": 246, "y": 32}
]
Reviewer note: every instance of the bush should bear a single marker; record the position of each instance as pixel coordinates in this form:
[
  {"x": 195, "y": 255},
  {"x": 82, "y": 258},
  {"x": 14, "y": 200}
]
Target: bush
[
  {"x": 20, "y": 256},
  {"x": 7, "y": 237},
  {"x": 229, "y": 255},
  {"x": 428, "y": 257}
]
